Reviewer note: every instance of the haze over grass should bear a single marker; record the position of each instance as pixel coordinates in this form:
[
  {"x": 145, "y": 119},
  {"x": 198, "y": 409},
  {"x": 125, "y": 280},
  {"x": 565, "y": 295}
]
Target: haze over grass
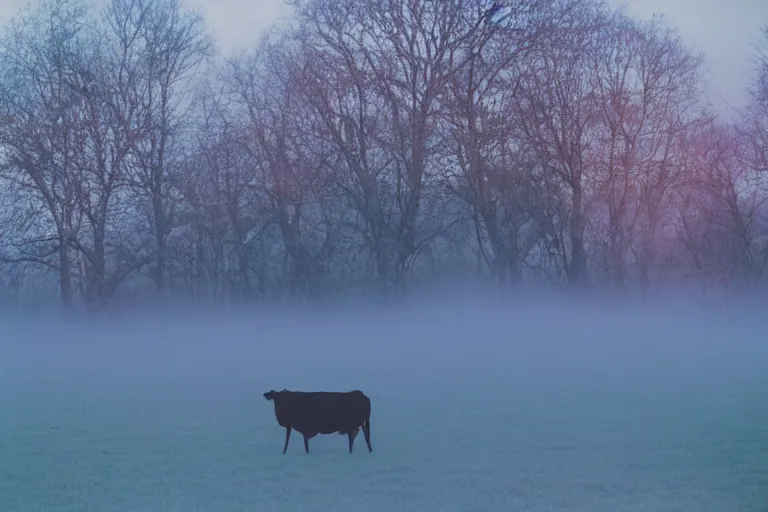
[{"x": 534, "y": 402}]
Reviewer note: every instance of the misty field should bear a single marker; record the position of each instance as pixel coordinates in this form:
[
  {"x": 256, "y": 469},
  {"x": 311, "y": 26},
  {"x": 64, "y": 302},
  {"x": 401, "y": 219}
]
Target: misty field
[{"x": 513, "y": 406}]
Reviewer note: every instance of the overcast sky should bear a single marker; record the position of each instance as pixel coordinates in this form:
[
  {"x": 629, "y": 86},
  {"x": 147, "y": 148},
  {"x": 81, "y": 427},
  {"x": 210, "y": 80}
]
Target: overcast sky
[{"x": 726, "y": 31}]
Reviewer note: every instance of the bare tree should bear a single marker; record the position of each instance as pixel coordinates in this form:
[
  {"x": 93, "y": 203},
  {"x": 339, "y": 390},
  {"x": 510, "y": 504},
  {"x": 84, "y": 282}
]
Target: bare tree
[
  {"x": 493, "y": 175},
  {"x": 108, "y": 133},
  {"x": 722, "y": 206},
  {"x": 289, "y": 163},
  {"x": 380, "y": 71},
  {"x": 162, "y": 47},
  {"x": 40, "y": 108},
  {"x": 648, "y": 96},
  {"x": 222, "y": 192},
  {"x": 753, "y": 126},
  {"x": 383, "y": 143},
  {"x": 559, "y": 119}
]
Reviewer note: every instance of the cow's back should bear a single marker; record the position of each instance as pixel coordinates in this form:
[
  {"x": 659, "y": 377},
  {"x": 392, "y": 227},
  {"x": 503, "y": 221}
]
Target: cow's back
[{"x": 326, "y": 412}]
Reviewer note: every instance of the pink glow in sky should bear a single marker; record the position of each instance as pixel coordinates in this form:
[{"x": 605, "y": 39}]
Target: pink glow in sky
[{"x": 725, "y": 31}]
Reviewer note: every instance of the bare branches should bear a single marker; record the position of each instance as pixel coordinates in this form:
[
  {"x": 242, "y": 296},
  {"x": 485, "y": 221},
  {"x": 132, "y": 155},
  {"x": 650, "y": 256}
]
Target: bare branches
[
  {"x": 158, "y": 48},
  {"x": 374, "y": 143}
]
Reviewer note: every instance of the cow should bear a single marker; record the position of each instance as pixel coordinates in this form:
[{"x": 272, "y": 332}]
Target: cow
[{"x": 322, "y": 412}]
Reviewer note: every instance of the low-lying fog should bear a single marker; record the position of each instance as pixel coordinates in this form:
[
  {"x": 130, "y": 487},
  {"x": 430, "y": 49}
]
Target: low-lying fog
[{"x": 549, "y": 402}]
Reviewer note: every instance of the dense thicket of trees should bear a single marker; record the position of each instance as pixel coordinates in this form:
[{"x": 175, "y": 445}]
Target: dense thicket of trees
[{"x": 372, "y": 146}]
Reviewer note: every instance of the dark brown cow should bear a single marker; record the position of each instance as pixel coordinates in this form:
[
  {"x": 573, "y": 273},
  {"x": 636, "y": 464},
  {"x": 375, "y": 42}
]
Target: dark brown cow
[{"x": 322, "y": 412}]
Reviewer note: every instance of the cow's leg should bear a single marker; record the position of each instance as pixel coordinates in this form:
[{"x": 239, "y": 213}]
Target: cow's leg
[
  {"x": 352, "y": 435},
  {"x": 287, "y": 437},
  {"x": 367, "y": 434}
]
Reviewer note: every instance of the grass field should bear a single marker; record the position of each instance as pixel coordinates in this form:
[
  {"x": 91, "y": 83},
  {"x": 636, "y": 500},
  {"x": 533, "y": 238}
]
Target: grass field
[{"x": 476, "y": 407}]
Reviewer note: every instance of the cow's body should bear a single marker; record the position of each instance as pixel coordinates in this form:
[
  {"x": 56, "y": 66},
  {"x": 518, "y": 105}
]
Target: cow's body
[{"x": 322, "y": 412}]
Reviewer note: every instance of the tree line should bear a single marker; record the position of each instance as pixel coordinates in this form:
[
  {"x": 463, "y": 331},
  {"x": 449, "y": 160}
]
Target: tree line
[{"x": 369, "y": 147}]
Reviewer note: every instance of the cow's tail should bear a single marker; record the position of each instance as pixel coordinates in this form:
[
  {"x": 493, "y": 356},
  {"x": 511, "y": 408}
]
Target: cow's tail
[
  {"x": 367, "y": 433},
  {"x": 367, "y": 425}
]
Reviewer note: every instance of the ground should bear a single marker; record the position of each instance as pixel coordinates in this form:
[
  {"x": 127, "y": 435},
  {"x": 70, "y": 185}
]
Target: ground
[{"x": 475, "y": 407}]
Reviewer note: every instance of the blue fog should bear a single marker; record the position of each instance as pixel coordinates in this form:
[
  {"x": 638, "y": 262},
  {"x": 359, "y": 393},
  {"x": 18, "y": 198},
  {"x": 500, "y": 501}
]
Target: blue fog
[{"x": 540, "y": 404}]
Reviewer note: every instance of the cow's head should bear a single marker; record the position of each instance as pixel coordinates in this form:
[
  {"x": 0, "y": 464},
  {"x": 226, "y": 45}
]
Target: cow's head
[{"x": 272, "y": 394}]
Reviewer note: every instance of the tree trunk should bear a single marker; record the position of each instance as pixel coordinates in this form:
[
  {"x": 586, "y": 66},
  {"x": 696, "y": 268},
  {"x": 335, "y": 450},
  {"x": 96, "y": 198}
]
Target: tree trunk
[
  {"x": 243, "y": 285},
  {"x": 160, "y": 232},
  {"x": 65, "y": 274},
  {"x": 577, "y": 269}
]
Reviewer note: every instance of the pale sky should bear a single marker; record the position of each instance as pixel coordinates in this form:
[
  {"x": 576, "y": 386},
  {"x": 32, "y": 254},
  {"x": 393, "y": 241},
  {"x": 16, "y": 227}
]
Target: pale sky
[{"x": 725, "y": 31}]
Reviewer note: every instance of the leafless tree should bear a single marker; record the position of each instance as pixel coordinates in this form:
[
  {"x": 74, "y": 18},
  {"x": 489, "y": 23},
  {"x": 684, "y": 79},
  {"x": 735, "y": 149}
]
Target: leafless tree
[
  {"x": 289, "y": 165},
  {"x": 108, "y": 132},
  {"x": 380, "y": 71},
  {"x": 648, "y": 96},
  {"x": 493, "y": 175},
  {"x": 721, "y": 210},
  {"x": 42, "y": 54},
  {"x": 373, "y": 143},
  {"x": 162, "y": 46},
  {"x": 753, "y": 125},
  {"x": 559, "y": 120}
]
